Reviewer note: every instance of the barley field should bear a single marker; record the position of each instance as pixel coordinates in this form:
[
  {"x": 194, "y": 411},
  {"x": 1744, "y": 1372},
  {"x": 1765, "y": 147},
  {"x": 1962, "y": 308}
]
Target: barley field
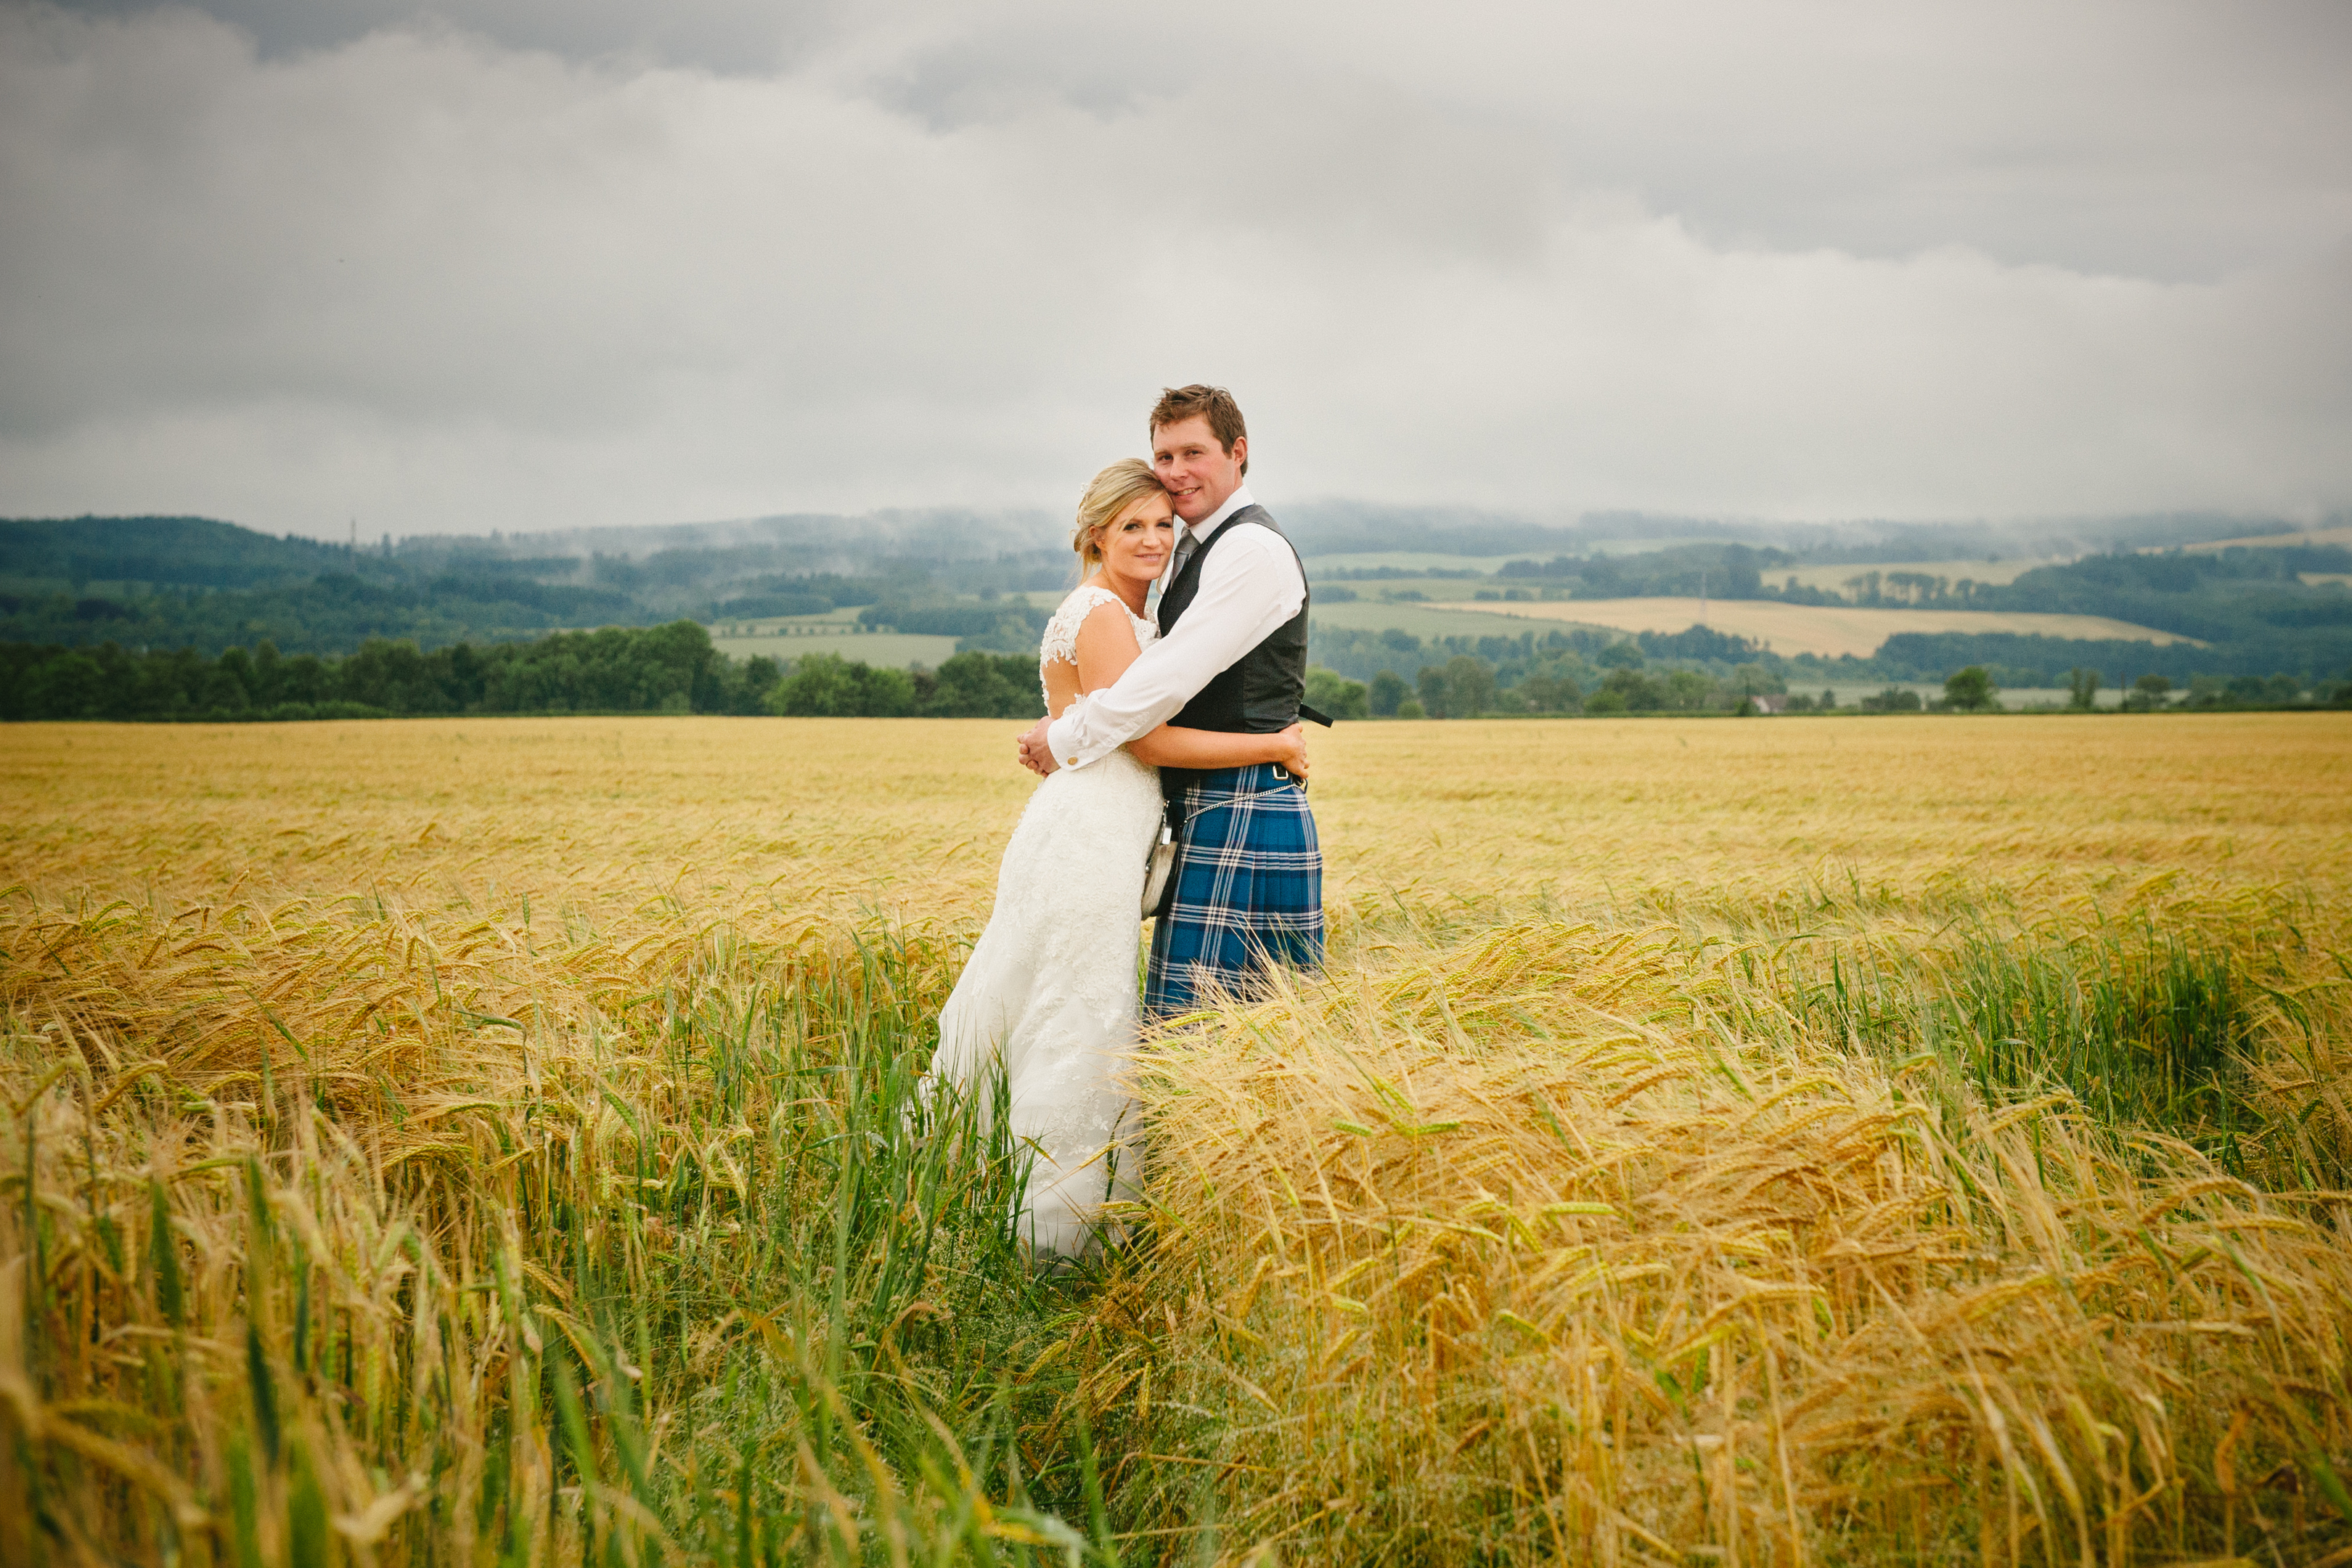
[{"x": 479, "y": 1142}]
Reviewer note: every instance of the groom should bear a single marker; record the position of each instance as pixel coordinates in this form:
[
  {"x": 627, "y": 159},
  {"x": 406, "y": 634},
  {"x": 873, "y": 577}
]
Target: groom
[{"x": 1247, "y": 887}]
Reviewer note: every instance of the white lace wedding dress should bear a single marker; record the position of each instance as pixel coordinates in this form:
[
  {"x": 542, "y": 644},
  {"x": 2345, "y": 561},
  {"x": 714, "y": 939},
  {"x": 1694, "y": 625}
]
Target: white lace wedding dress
[{"x": 1051, "y": 988}]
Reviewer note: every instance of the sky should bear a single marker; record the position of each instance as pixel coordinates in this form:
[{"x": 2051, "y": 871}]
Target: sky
[{"x": 308, "y": 264}]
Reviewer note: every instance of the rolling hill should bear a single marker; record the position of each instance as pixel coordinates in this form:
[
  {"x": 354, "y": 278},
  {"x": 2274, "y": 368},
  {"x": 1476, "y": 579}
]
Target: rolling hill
[{"x": 2221, "y": 595}]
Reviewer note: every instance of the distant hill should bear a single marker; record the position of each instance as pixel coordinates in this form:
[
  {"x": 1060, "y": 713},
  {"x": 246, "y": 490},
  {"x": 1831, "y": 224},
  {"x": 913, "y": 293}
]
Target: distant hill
[
  {"x": 2217, "y": 595},
  {"x": 198, "y": 583},
  {"x": 328, "y": 613},
  {"x": 795, "y": 542},
  {"x": 153, "y": 552},
  {"x": 174, "y": 582}
]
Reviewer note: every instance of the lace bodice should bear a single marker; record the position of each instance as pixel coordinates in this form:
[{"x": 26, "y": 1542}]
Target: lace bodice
[{"x": 1061, "y": 639}]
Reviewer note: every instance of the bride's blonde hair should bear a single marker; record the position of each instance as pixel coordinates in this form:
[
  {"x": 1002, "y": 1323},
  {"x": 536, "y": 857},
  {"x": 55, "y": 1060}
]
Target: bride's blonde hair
[{"x": 1107, "y": 494}]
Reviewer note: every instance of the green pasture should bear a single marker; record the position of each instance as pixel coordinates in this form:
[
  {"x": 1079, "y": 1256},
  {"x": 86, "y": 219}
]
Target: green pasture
[{"x": 893, "y": 650}]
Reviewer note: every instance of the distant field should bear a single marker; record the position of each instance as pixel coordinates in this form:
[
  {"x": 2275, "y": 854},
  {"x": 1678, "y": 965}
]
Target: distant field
[
  {"x": 2340, "y": 535},
  {"x": 1433, "y": 590},
  {"x": 827, "y": 625},
  {"x": 1439, "y": 560},
  {"x": 895, "y": 649},
  {"x": 1427, "y": 620},
  {"x": 786, "y": 637},
  {"x": 1834, "y": 578},
  {"x": 1824, "y": 630},
  {"x": 1408, "y": 561}
]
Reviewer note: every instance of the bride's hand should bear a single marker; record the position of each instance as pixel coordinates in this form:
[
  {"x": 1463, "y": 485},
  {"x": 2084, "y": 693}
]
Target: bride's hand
[{"x": 1291, "y": 753}]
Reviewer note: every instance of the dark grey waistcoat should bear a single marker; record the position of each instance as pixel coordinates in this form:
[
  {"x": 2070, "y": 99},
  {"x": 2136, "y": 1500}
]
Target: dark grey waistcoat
[{"x": 1258, "y": 693}]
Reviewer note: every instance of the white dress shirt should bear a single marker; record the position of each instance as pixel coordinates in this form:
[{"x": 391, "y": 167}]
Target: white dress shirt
[{"x": 1249, "y": 587}]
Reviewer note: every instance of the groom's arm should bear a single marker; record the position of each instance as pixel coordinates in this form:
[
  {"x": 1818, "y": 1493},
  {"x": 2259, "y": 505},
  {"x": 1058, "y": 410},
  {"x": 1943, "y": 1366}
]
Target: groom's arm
[{"x": 1249, "y": 587}]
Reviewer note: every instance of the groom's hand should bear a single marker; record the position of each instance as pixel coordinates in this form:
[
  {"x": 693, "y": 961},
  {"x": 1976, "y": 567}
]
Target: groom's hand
[{"x": 1035, "y": 754}]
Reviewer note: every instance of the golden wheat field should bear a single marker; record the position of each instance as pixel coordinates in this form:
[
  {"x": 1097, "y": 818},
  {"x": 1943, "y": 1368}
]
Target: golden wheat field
[{"x": 1792, "y": 1140}]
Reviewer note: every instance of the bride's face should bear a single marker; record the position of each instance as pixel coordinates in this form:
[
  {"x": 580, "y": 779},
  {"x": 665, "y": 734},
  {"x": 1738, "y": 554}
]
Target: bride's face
[{"x": 1135, "y": 543}]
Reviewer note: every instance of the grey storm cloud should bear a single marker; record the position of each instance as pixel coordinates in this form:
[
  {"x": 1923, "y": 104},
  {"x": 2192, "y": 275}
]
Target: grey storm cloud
[{"x": 519, "y": 264}]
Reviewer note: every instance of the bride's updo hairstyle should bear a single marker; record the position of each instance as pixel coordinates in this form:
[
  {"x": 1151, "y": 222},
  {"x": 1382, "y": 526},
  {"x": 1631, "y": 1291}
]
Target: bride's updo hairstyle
[{"x": 1107, "y": 494}]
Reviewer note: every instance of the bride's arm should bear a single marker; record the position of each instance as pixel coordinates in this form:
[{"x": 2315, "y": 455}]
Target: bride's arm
[{"x": 1106, "y": 645}]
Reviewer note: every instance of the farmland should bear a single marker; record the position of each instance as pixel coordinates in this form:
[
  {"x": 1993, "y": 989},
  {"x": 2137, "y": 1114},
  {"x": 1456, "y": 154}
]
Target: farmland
[
  {"x": 1825, "y": 631},
  {"x": 498, "y": 1140},
  {"x": 1836, "y": 576},
  {"x": 187, "y": 619},
  {"x": 2339, "y": 533},
  {"x": 785, "y": 639},
  {"x": 893, "y": 650}
]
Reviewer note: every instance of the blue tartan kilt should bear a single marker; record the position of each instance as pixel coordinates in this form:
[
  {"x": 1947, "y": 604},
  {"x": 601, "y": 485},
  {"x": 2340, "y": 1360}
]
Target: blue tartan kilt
[{"x": 1246, "y": 890}]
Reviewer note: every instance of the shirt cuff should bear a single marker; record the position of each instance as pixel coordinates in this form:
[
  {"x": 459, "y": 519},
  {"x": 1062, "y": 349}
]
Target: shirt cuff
[{"x": 1062, "y": 739}]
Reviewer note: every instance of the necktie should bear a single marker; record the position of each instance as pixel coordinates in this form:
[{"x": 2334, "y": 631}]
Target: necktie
[{"x": 1184, "y": 548}]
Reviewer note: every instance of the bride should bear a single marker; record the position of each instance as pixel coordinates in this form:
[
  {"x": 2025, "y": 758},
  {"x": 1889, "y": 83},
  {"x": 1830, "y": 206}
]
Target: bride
[{"x": 1050, "y": 991}]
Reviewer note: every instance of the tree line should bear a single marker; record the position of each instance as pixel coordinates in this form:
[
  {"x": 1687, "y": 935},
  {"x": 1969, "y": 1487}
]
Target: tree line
[
  {"x": 673, "y": 669},
  {"x": 1465, "y": 685},
  {"x": 327, "y": 614},
  {"x": 2259, "y": 609},
  {"x": 669, "y": 669}
]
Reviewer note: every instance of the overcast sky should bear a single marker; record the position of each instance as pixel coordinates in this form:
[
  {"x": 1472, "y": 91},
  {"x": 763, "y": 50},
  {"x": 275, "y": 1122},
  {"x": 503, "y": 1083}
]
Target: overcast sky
[{"x": 528, "y": 263}]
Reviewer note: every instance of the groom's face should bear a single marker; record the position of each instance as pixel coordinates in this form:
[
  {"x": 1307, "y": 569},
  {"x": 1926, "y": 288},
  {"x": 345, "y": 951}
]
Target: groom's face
[{"x": 1200, "y": 474}]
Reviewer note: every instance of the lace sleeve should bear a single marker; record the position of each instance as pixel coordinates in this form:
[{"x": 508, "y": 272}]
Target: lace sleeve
[{"x": 1061, "y": 641}]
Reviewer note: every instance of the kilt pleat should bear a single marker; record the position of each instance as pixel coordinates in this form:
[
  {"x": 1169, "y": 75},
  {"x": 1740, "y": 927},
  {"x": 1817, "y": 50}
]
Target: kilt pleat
[{"x": 1246, "y": 889}]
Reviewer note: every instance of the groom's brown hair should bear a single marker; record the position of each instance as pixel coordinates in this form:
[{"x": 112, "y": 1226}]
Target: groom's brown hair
[{"x": 1213, "y": 404}]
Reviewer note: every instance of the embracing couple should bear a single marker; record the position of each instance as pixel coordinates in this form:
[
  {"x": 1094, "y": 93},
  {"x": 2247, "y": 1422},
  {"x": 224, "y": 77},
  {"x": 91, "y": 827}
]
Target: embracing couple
[{"x": 1186, "y": 720}]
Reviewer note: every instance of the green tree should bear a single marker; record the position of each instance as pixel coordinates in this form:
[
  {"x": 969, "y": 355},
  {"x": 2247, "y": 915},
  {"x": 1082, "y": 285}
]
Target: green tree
[
  {"x": 1972, "y": 689},
  {"x": 1387, "y": 690},
  {"x": 1687, "y": 688},
  {"x": 2082, "y": 689},
  {"x": 1432, "y": 684},
  {"x": 978, "y": 685},
  {"x": 72, "y": 686},
  {"x": 2148, "y": 692},
  {"x": 827, "y": 686},
  {"x": 1551, "y": 694},
  {"x": 1336, "y": 695},
  {"x": 1469, "y": 686},
  {"x": 224, "y": 692},
  {"x": 1639, "y": 692}
]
